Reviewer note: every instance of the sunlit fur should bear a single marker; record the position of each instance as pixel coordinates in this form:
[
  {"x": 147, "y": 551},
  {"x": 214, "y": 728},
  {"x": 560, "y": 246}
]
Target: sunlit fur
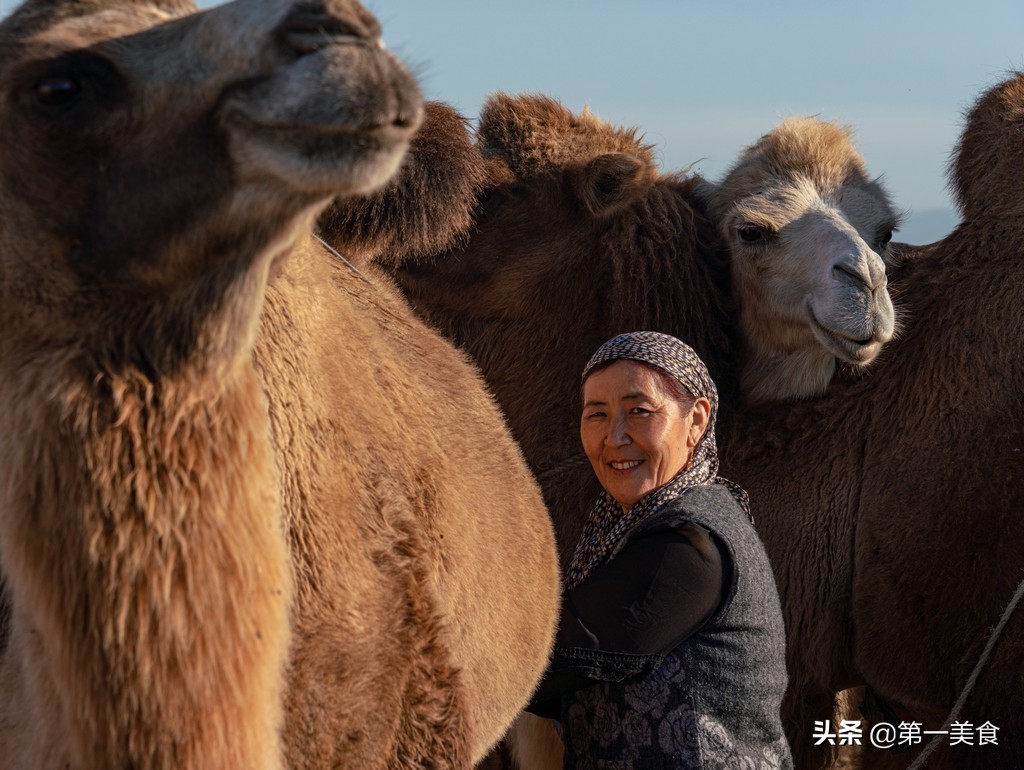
[{"x": 253, "y": 514}]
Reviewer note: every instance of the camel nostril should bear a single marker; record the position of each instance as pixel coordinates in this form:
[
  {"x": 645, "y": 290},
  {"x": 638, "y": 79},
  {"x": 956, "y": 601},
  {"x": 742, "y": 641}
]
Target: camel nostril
[
  {"x": 311, "y": 26},
  {"x": 845, "y": 273}
]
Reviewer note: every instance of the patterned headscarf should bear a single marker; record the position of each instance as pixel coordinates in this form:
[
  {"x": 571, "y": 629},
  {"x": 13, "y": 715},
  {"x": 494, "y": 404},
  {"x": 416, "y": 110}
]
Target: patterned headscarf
[{"x": 606, "y": 523}]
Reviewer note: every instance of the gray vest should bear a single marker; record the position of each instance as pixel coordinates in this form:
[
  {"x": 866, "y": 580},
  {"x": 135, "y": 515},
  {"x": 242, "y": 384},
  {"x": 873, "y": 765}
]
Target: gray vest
[{"x": 713, "y": 702}]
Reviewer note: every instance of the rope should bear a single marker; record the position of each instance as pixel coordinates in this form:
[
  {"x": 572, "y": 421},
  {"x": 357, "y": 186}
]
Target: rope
[
  {"x": 335, "y": 252},
  {"x": 955, "y": 713}
]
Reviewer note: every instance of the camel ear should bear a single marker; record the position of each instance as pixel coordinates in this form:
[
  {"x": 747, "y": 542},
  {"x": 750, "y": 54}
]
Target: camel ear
[{"x": 610, "y": 183}]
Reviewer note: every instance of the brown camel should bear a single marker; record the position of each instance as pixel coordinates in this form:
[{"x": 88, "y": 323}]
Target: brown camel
[
  {"x": 253, "y": 514},
  {"x": 555, "y": 183},
  {"x": 886, "y": 506}
]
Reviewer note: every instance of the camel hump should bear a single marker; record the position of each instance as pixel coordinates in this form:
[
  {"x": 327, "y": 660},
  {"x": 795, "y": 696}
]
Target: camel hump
[
  {"x": 533, "y": 132},
  {"x": 985, "y": 170}
]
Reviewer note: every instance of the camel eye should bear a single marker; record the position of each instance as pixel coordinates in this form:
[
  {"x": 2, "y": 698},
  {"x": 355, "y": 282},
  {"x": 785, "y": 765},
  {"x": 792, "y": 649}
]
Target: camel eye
[
  {"x": 885, "y": 238},
  {"x": 57, "y": 92},
  {"x": 752, "y": 234}
]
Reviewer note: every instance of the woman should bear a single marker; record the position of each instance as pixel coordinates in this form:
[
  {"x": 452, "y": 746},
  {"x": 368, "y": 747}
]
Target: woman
[{"x": 670, "y": 651}]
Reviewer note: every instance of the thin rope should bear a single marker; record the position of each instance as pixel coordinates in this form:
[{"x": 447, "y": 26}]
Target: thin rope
[
  {"x": 955, "y": 713},
  {"x": 335, "y": 252}
]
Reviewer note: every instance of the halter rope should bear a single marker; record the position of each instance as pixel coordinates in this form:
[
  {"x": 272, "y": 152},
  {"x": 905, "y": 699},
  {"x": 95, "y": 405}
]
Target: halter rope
[{"x": 982, "y": 660}]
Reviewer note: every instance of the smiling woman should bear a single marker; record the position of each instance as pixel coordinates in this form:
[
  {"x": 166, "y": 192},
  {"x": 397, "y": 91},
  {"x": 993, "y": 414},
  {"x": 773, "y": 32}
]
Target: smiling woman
[
  {"x": 636, "y": 433},
  {"x": 670, "y": 650}
]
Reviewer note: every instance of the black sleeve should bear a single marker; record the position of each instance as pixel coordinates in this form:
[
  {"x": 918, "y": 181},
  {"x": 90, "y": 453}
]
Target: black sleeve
[{"x": 651, "y": 596}]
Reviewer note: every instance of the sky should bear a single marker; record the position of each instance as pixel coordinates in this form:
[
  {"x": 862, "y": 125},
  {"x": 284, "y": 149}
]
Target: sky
[{"x": 701, "y": 80}]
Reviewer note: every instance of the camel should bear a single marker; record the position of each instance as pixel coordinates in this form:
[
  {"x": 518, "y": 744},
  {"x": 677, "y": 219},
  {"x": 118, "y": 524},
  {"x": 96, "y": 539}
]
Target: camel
[
  {"x": 253, "y": 513},
  {"x": 850, "y": 491},
  {"x": 807, "y": 232},
  {"x": 916, "y": 549},
  {"x": 555, "y": 183}
]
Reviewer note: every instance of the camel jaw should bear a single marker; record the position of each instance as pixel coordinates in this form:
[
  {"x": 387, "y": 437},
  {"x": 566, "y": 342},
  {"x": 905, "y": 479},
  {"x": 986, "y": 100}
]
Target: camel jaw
[
  {"x": 847, "y": 344},
  {"x": 320, "y": 159}
]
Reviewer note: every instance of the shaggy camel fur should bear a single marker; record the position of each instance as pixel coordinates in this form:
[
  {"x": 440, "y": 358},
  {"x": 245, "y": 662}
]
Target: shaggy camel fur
[
  {"x": 253, "y": 514},
  {"x": 888, "y": 506}
]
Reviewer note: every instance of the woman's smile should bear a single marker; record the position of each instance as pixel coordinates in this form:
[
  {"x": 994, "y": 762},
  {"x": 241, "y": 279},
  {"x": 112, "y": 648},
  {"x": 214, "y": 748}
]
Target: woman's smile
[{"x": 624, "y": 465}]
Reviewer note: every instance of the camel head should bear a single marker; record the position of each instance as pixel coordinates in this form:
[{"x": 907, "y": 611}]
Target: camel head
[
  {"x": 808, "y": 234},
  {"x": 555, "y": 218},
  {"x": 157, "y": 160}
]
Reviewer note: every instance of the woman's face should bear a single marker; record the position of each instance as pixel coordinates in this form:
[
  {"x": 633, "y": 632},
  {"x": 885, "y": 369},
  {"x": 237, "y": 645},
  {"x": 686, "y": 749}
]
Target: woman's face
[{"x": 636, "y": 435}]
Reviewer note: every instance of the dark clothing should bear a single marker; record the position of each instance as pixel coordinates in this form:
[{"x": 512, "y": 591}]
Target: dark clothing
[
  {"x": 653, "y": 675},
  {"x": 659, "y": 589}
]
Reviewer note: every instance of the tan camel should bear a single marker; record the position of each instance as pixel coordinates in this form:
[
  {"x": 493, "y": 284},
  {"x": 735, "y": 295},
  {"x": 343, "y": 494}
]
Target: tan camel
[
  {"x": 888, "y": 506},
  {"x": 252, "y": 513},
  {"x": 927, "y": 479}
]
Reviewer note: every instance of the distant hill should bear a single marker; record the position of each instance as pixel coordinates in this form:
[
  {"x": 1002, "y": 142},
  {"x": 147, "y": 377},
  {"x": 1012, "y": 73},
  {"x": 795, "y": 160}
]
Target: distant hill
[{"x": 927, "y": 225}]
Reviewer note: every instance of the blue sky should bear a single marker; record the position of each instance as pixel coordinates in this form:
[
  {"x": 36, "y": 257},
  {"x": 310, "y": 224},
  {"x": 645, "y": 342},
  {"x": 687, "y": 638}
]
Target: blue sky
[{"x": 701, "y": 80}]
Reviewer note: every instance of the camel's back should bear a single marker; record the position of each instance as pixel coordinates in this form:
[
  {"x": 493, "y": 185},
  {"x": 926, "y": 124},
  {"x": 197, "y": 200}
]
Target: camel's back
[{"x": 408, "y": 486}]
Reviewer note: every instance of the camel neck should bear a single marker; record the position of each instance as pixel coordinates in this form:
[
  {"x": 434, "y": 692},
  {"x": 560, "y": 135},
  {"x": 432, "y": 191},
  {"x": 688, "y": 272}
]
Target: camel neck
[{"x": 142, "y": 537}]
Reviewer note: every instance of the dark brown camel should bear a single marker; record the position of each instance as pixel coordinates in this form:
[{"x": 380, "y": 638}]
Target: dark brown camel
[
  {"x": 887, "y": 505},
  {"x": 253, "y": 514}
]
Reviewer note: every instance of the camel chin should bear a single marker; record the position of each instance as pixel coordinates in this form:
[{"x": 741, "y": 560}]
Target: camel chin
[
  {"x": 328, "y": 161},
  {"x": 851, "y": 345}
]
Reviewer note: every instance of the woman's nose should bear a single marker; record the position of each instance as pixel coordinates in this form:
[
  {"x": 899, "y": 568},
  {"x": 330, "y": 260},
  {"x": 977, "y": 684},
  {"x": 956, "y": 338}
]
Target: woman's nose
[{"x": 617, "y": 433}]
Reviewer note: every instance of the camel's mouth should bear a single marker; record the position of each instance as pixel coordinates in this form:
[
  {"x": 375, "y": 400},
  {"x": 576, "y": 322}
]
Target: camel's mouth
[
  {"x": 338, "y": 160},
  {"x": 337, "y": 120},
  {"x": 859, "y": 351}
]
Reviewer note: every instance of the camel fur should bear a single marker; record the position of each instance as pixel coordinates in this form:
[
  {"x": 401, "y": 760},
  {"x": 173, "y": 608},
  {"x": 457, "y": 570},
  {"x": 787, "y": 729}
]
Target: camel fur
[{"x": 252, "y": 512}]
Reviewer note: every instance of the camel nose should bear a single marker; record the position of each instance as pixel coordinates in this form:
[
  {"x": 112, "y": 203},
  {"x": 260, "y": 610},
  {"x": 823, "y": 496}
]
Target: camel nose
[
  {"x": 860, "y": 269},
  {"x": 313, "y": 25}
]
